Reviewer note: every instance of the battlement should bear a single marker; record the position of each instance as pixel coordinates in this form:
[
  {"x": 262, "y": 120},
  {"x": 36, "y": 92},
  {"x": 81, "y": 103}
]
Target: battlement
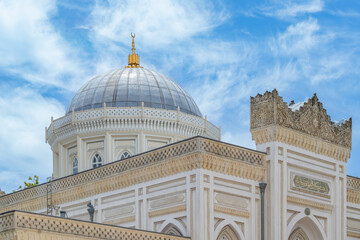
[{"x": 308, "y": 117}]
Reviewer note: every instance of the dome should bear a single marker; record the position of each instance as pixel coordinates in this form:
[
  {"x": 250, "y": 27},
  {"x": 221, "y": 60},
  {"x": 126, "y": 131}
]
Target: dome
[{"x": 129, "y": 87}]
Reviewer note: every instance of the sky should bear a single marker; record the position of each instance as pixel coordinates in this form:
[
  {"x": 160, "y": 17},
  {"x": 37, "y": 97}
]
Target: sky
[{"x": 221, "y": 52}]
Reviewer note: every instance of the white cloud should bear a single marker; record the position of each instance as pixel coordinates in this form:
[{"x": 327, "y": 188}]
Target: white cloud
[
  {"x": 298, "y": 38},
  {"x": 291, "y": 8},
  {"x": 34, "y": 50},
  {"x": 24, "y": 115},
  {"x": 158, "y": 24}
]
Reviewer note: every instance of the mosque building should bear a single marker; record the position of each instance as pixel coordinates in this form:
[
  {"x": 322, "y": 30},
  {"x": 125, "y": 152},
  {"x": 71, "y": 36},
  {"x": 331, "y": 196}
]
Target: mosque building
[{"x": 134, "y": 158}]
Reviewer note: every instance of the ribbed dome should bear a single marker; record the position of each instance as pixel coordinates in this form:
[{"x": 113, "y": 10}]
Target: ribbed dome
[{"x": 128, "y": 87}]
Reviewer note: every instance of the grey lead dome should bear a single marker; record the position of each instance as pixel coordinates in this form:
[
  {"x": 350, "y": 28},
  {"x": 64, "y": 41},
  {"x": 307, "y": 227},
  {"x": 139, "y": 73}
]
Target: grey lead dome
[{"x": 129, "y": 87}]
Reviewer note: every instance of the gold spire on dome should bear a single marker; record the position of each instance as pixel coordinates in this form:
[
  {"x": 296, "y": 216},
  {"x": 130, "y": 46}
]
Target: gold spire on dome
[{"x": 134, "y": 59}]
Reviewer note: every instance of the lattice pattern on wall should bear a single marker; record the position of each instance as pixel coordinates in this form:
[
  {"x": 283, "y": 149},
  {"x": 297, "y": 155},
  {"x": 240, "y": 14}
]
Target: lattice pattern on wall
[
  {"x": 62, "y": 121},
  {"x": 66, "y": 227},
  {"x": 191, "y": 119},
  {"x": 227, "y": 150},
  {"x": 152, "y": 158},
  {"x": 6, "y": 221},
  {"x": 85, "y": 115},
  {"x": 353, "y": 182},
  {"x": 136, "y": 118},
  {"x": 157, "y": 113},
  {"x": 116, "y": 112}
]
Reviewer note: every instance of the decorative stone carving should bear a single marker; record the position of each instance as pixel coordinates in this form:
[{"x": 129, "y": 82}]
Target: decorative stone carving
[
  {"x": 312, "y": 119},
  {"x": 167, "y": 201},
  {"x": 194, "y": 153},
  {"x": 29, "y": 226},
  {"x": 311, "y": 184},
  {"x": 232, "y": 201},
  {"x": 353, "y": 190}
]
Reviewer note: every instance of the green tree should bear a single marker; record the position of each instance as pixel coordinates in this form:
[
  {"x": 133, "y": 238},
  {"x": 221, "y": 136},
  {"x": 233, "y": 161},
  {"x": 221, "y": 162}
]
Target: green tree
[{"x": 34, "y": 181}]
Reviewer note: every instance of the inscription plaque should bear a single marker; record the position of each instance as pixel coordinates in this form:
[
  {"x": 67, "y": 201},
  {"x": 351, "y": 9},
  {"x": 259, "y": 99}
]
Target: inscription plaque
[{"x": 311, "y": 184}]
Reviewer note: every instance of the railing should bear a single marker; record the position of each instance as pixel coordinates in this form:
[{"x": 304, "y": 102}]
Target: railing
[
  {"x": 136, "y": 113},
  {"x": 192, "y": 145},
  {"x": 63, "y": 228}
]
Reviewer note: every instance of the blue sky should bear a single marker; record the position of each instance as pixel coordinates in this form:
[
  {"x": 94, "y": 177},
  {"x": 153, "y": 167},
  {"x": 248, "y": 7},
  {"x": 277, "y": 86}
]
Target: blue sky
[{"x": 221, "y": 52}]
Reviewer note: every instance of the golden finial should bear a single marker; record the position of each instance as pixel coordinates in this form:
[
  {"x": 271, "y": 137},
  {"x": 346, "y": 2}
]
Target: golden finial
[{"x": 133, "y": 59}]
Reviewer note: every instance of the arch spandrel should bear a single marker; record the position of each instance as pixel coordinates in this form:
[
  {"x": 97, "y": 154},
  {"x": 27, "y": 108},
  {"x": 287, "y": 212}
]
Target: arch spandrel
[{"x": 227, "y": 233}]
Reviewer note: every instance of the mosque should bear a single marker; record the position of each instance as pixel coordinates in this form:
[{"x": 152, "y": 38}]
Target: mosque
[{"x": 134, "y": 158}]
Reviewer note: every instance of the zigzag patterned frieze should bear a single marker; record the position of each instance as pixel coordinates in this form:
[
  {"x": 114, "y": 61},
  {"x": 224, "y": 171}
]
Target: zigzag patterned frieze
[
  {"x": 311, "y": 118},
  {"x": 180, "y": 157},
  {"x": 353, "y": 182},
  {"x": 353, "y": 189},
  {"x": 27, "y": 223}
]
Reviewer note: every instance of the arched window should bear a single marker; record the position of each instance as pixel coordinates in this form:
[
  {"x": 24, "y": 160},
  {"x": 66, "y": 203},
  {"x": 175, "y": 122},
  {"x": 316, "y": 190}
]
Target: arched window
[
  {"x": 125, "y": 155},
  {"x": 227, "y": 233},
  {"x": 96, "y": 161},
  {"x": 75, "y": 166},
  {"x": 171, "y": 229}
]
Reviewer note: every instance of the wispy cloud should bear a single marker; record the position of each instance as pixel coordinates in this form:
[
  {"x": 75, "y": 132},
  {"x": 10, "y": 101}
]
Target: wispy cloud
[
  {"x": 160, "y": 24},
  {"x": 298, "y": 38},
  {"x": 25, "y": 113},
  {"x": 290, "y": 8},
  {"x": 31, "y": 47}
]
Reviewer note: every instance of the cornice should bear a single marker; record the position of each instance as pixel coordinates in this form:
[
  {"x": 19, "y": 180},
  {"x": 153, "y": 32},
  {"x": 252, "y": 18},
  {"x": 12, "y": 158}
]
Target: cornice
[
  {"x": 180, "y": 157},
  {"x": 276, "y": 133},
  {"x": 129, "y": 119}
]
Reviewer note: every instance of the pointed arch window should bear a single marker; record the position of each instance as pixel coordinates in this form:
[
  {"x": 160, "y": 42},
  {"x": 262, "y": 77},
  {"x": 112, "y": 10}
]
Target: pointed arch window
[
  {"x": 75, "y": 166},
  {"x": 125, "y": 155},
  {"x": 96, "y": 161},
  {"x": 171, "y": 229},
  {"x": 228, "y": 233}
]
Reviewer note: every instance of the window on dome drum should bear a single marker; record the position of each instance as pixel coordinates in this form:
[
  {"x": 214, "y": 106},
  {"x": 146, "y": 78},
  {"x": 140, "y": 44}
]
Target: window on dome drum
[
  {"x": 75, "y": 165},
  {"x": 125, "y": 155},
  {"x": 97, "y": 161}
]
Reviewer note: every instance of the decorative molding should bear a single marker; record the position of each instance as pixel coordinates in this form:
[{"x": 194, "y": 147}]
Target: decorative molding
[
  {"x": 194, "y": 153},
  {"x": 353, "y": 182},
  {"x": 311, "y": 185},
  {"x": 232, "y": 211},
  {"x": 353, "y": 189},
  {"x": 232, "y": 201},
  {"x": 129, "y": 119},
  {"x": 309, "y": 203},
  {"x": 311, "y": 118},
  {"x": 164, "y": 211},
  {"x": 275, "y": 133},
  {"x": 36, "y": 226},
  {"x": 352, "y": 234},
  {"x": 271, "y": 119},
  {"x": 352, "y": 196},
  {"x": 167, "y": 201}
]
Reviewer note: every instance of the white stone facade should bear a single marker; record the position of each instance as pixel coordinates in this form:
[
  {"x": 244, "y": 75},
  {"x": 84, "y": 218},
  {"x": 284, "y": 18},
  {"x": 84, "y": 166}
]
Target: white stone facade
[
  {"x": 166, "y": 171},
  {"x": 111, "y": 132}
]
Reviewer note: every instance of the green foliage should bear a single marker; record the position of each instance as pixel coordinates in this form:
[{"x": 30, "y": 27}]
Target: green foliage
[{"x": 35, "y": 181}]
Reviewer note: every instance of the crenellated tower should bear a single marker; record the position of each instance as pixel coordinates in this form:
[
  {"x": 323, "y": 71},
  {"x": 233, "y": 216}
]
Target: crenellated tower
[{"x": 306, "y": 174}]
